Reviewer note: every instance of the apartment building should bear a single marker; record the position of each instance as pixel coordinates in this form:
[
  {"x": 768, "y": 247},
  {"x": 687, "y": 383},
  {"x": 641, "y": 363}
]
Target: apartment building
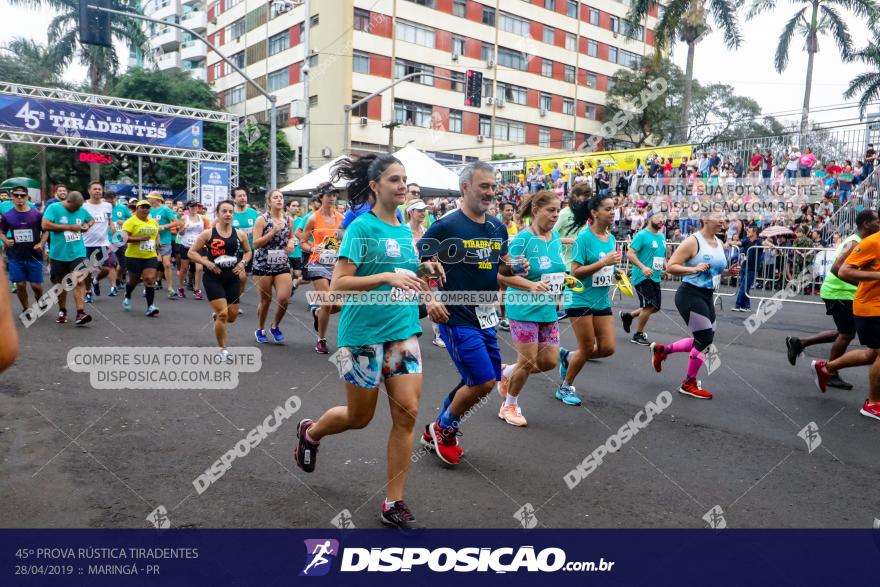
[
  {"x": 169, "y": 48},
  {"x": 546, "y": 65}
]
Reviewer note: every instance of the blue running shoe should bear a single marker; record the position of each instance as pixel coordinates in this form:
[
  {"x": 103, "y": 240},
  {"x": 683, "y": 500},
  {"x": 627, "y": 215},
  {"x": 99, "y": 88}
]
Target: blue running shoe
[
  {"x": 88, "y": 299},
  {"x": 126, "y": 304},
  {"x": 567, "y": 395},
  {"x": 276, "y": 334},
  {"x": 260, "y": 335},
  {"x": 563, "y": 362},
  {"x": 113, "y": 292}
]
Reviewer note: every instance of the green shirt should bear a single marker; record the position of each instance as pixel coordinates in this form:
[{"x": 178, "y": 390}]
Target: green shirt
[
  {"x": 565, "y": 230},
  {"x": 298, "y": 223},
  {"x": 834, "y": 288},
  {"x": 376, "y": 247},
  {"x": 245, "y": 221},
  {"x": 121, "y": 213},
  {"x": 588, "y": 249},
  {"x": 544, "y": 258},
  {"x": 650, "y": 250},
  {"x": 66, "y": 245},
  {"x": 163, "y": 215}
]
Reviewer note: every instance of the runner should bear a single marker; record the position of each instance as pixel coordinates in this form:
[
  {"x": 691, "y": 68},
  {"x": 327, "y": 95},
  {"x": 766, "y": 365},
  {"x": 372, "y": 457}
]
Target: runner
[
  {"x": 472, "y": 248},
  {"x": 142, "y": 259},
  {"x": 838, "y": 297},
  {"x": 647, "y": 253},
  {"x": 166, "y": 218},
  {"x": 533, "y": 321},
  {"x": 193, "y": 224},
  {"x": 700, "y": 260},
  {"x": 294, "y": 212},
  {"x": 273, "y": 242},
  {"x": 508, "y": 209},
  {"x": 244, "y": 218},
  {"x": 377, "y": 255},
  {"x": 319, "y": 240},
  {"x": 222, "y": 279},
  {"x": 862, "y": 266},
  {"x": 593, "y": 262},
  {"x": 24, "y": 250},
  {"x": 97, "y": 240},
  {"x": 415, "y": 214},
  {"x": 120, "y": 214},
  {"x": 66, "y": 221},
  {"x": 60, "y": 196}
]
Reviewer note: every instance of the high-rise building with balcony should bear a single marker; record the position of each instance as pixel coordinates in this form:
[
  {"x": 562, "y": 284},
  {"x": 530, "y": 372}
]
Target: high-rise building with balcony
[
  {"x": 171, "y": 48},
  {"x": 547, "y": 65}
]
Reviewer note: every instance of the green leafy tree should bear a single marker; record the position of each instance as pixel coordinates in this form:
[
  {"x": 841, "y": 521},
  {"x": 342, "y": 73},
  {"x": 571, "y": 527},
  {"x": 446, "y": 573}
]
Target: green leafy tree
[
  {"x": 687, "y": 21},
  {"x": 253, "y": 156},
  {"x": 503, "y": 156},
  {"x": 718, "y": 114},
  {"x": 866, "y": 86},
  {"x": 816, "y": 18}
]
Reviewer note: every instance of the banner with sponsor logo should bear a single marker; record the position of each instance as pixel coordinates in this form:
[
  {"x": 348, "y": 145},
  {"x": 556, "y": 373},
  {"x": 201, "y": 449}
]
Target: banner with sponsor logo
[
  {"x": 524, "y": 555},
  {"x": 214, "y": 185},
  {"x": 611, "y": 160},
  {"x": 64, "y": 119}
]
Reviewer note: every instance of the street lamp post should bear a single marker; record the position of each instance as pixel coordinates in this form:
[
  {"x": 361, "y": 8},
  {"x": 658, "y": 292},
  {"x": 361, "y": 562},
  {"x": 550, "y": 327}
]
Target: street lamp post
[{"x": 273, "y": 163}]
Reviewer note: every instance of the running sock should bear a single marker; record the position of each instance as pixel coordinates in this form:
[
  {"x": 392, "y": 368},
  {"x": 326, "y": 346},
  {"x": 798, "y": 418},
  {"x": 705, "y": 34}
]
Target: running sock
[
  {"x": 128, "y": 289},
  {"x": 448, "y": 419},
  {"x": 508, "y": 371},
  {"x": 510, "y": 400},
  {"x": 388, "y": 505},
  {"x": 695, "y": 361},
  {"x": 680, "y": 346},
  {"x": 448, "y": 401},
  {"x": 151, "y": 295}
]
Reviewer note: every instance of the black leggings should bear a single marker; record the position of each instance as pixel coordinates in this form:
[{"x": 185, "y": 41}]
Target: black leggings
[
  {"x": 226, "y": 285},
  {"x": 698, "y": 311}
]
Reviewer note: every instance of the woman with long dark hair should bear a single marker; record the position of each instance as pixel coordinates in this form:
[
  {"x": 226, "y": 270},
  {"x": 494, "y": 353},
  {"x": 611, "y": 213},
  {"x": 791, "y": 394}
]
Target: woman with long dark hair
[{"x": 378, "y": 342}]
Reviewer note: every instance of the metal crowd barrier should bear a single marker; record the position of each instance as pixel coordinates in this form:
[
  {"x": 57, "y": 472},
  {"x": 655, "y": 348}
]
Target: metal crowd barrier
[{"x": 789, "y": 274}]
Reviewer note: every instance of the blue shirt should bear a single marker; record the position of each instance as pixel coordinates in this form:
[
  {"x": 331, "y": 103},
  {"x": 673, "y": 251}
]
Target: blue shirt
[
  {"x": 714, "y": 256},
  {"x": 357, "y": 212},
  {"x": 470, "y": 253}
]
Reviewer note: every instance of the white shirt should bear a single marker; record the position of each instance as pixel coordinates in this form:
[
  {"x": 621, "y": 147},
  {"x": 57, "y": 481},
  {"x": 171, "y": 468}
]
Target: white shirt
[
  {"x": 793, "y": 159},
  {"x": 98, "y": 235}
]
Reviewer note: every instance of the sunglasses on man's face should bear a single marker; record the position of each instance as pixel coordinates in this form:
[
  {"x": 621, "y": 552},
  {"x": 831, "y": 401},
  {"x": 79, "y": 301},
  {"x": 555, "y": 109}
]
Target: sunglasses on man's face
[{"x": 19, "y": 195}]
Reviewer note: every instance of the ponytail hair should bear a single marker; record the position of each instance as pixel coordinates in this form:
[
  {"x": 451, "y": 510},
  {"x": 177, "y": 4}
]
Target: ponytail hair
[
  {"x": 580, "y": 207},
  {"x": 359, "y": 172},
  {"x": 535, "y": 201}
]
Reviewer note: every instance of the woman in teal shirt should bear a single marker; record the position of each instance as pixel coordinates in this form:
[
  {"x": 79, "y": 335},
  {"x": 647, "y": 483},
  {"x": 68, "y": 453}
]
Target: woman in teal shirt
[
  {"x": 593, "y": 262},
  {"x": 531, "y": 301},
  {"x": 377, "y": 340}
]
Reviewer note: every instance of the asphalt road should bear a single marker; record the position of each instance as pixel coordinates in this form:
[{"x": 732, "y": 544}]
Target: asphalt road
[{"x": 76, "y": 456}]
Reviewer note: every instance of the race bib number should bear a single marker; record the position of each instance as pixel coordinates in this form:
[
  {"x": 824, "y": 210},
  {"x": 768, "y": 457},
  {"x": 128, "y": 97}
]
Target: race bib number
[
  {"x": 328, "y": 257},
  {"x": 554, "y": 281},
  {"x": 716, "y": 281},
  {"x": 486, "y": 316},
  {"x": 400, "y": 295},
  {"x": 604, "y": 277},
  {"x": 276, "y": 256},
  {"x": 295, "y": 242},
  {"x": 189, "y": 241},
  {"x": 658, "y": 264},
  {"x": 148, "y": 246},
  {"x": 70, "y": 236},
  {"x": 23, "y": 235}
]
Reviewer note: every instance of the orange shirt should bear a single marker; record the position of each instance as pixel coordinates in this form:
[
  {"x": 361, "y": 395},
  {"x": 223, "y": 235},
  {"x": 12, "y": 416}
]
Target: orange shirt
[
  {"x": 866, "y": 256},
  {"x": 322, "y": 230}
]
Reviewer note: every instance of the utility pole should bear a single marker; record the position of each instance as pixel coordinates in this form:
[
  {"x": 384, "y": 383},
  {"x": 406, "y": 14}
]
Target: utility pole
[
  {"x": 391, "y": 126},
  {"x": 307, "y": 127}
]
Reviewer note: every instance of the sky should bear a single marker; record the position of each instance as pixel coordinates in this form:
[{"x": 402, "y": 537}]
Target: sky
[{"x": 749, "y": 70}]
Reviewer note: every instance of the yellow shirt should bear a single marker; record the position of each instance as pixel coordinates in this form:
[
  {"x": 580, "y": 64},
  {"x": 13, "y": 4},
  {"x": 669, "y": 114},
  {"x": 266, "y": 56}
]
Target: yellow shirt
[{"x": 134, "y": 226}]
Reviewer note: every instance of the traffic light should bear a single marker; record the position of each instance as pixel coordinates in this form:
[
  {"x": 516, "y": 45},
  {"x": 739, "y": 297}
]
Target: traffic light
[
  {"x": 94, "y": 25},
  {"x": 473, "y": 94}
]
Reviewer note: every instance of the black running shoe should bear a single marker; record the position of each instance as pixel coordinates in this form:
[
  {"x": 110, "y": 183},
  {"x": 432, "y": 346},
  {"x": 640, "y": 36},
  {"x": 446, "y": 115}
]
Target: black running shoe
[
  {"x": 794, "y": 348},
  {"x": 640, "y": 338},
  {"x": 838, "y": 383},
  {"x": 305, "y": 453},
  {"x": 627, "y": 321},
  {"x": 314, "y": 311},
  {"x": 82, "y": 318},
  {"x": 397, "y": 516}
]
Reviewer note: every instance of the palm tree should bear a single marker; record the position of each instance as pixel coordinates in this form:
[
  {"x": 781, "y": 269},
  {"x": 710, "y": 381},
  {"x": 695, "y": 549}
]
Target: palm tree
[
  {"x": 102, "y": 62},
  {"x": 817, "y": 17},
  {"x": 868, "y": 83},
  {"x": 686, "y": 21}
]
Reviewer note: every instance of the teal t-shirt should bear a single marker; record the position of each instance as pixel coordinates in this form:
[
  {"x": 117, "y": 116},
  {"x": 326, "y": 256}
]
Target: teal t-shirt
[
  {"x": 650, "y": 250},
  {"x": 298, "y": 223},
  {"x": 588, "y": 249},
  {"x": 545, "y": 259},
  {"x": 7, "y": 205},
  {"x": 245, "y": 221},
  {"x": 163, "y": 215},
  {"x": 121, "y": 213},
  {"x": 376, "y": 247},
  {"x": 66, "y": 245}
]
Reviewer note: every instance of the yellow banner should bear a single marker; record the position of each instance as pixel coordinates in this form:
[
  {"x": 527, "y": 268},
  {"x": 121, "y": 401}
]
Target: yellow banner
[{"x": 611, "y": 160}]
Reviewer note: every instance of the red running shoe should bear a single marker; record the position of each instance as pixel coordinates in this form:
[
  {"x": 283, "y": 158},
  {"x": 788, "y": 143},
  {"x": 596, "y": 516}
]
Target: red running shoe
[
  {"x": 428, "y": 440},
  {"x": 821, "y": 375},
  {"x": 62, "y": 318},
  {"x": 693, "y": 389},
  {"x": 871, "y": 410},
  {"x": 658, "y": 355},
  {"x": 445, "y": 443}
]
